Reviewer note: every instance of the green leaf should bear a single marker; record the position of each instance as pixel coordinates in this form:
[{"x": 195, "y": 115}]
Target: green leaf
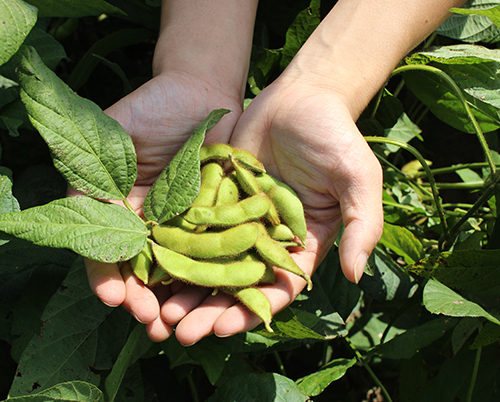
[
  {"x": 97, "y": 230},
  {"x": 268, "y": 387},
  {"x": 440, "y": 299},
  {"x": 492, "y": 13},
  {"x": 405, "y": 345},
  {"x": 474, "y": 271},
  {"x": 488, "y": 334},
  {"x": 179, "y": 184},
  {"x": 404, "y": 130},
  {"x": 314, "y": 384},
  {"x": 77, "y": 391},
  {"x": 212, "y": 356},
  {"x": 402, "y": 242},
  {"x": 65, "y": 348},
  {"x": 300, "y": 30},
  {"x": 18, "y": 18},
  {"x": 70, "y": 8},
  {"x": 8, "y": 202},
  {"x": 90, "y": 149}
]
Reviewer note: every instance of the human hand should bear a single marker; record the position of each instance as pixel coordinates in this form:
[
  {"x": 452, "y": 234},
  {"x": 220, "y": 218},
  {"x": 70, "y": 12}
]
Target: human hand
[
  {"x": 159, "y": 116},
  {"x": 307, "y": 138}
]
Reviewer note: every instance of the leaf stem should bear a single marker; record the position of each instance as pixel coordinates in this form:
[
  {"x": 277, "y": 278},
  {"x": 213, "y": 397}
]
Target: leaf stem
[
  {"x": 280, "y": 363},
  {"x": 361, "y": 360},
  {"x": 427, "y": 169},
  {"x": 128, "y": 206},
  {"x": 192, "y": 387}
]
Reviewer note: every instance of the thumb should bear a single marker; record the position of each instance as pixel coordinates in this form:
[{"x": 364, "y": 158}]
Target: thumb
[{"x": 362, "y": 215}]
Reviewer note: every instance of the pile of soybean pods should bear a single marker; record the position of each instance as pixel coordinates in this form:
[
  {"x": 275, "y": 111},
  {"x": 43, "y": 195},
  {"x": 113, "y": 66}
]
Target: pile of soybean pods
[{"x": 234, "y": 233}]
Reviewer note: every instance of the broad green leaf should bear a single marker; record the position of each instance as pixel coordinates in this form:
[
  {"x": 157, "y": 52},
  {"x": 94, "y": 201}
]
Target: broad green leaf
[
  {"x": 70, "y": 8},
  {"x": 212, "y": 356},
  {"x": 65, "y": 348},
  {"x": 264, "y": 66},
  {"x": 77, "y": 391},
  {"x": 97, "y": 230},
  {"x": 440, "y": 299},
  {"x": 405, "y": 345},
  {"x": 8, "y": 91},
  {"x": 300, "y": 30},
  {"x": 268, "y": 387},
  {"x": 179, "y": 184},
  {"x": 474, "y": 271},
  {"x": 471, "y": 28},
  {"x": 492, "y": 13},
  {"x": 404, "y": 130},
  {"x": 314, "y": 384},
  {"x": 463, "y": 331},
  {"x": 402, "y": 242},
  {"x": 18, "y": 18},
  {"x": 90, "y": 149},
  {"x": 488, "y": 334},
  {"x": 436, "y": 94},
  {"x": 19, "y": 255}
]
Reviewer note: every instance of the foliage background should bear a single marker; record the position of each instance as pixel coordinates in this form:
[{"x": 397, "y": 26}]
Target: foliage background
[{"x": 423, "y": 324}]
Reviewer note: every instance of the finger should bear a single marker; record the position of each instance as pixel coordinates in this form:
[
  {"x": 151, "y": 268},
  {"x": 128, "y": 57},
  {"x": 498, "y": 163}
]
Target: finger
[
  {"x": 200, "y": 322},
  {"x": 182, "y": 302},
  {"x": 140, "y": 301},
  {"x": 159, "y": 330},
  {"x": 106, "y": 282},
  {"x": 362, "y": 213}
]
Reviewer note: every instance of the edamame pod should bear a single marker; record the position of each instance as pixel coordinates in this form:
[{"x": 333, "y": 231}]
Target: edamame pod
[
  {"x": 275, "y": 254},
  {"x": 222, "y": 152},
  {"x": 211, "y": 177},
  {"x": 249, "y": 209},
  {"x": 228, "y": 192},
  {"x": 280, "y": 232},
  {"x": 256, "y": 301},
  {"x": 287, "y": 203},
  {"x": 180, "y": 222},
  {"x": 249, "y": 184},
  {"x": 213, "y": 275},
  {"x": 141, "y": 263},
  {"x": 159, "y": 275},
  {"x": 228, "y": 242}
]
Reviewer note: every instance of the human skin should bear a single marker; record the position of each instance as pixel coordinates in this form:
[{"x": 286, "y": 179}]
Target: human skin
[{"x": 302, "y": 127}]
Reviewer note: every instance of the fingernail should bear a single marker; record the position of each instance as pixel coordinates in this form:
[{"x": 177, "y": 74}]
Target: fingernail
[
  {"x": 223, "y": 335},
  {"x": 359, "y": 266}
]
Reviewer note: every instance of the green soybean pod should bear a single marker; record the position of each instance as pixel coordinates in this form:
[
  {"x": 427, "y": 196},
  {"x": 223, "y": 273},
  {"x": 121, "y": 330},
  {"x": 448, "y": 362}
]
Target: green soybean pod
[
  {"x": 211, "y": 177},
  {"x": 275, "y": 254},
  {"x": 256, "y": 302},
  {"x": 141, "y": 263},
  {"x": 228, "y": 192},
  {"x": 249, "y": 209},
  {"x": 223, "y": 152},
  {"x": 228, "y": 242},
  {"x": 249, "y": 184},
  {"x": 281, "y": 232},
  {"x": 158, "y": 275},
  {"x": 180, "y": 222},
  {"x": 213, "y": 275},
  {"x": 287, "y": 203}
]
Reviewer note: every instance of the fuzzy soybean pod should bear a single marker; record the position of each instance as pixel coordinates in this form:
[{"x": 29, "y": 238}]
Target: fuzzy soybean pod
[
  {"x": 281, "y": 232},
  {"x": 249, "y": 184},
  {"x": 287, "y": 203},
  {"x": 228, "y": 192},
  {"x": 275, "y": 254},
  {"x": 228, "y": 242},
  {"x": 249, "y": 209},
  {"x": 214, "y": 275},
  {"x": 211, "y": 177},
  {"x": 141, "y": 263},
  {"x": 256, "y": 302},
  {"x": 223, "y": 152}
]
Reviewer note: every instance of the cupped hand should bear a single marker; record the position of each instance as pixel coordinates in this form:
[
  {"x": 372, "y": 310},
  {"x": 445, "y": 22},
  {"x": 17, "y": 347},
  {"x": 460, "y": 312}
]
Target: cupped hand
[
  {"x": 306, "y": 137},
  {"x": 159, "y": 116}
]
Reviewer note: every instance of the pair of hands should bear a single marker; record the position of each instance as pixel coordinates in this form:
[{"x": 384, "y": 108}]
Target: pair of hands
[{"x": 304, "y": 135}]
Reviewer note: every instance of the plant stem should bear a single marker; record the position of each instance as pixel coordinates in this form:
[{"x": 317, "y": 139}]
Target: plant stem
[
  {"x": 474, "y": 374},
  {"x": 281, "y": 366},
  {"x": 361, "y": 360},
  {"x": 455, "y": 168},
  {"x": 458, "y": 92},
  {"x": 192, "y": 387},
  {"x": 426, "y": 167}
]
